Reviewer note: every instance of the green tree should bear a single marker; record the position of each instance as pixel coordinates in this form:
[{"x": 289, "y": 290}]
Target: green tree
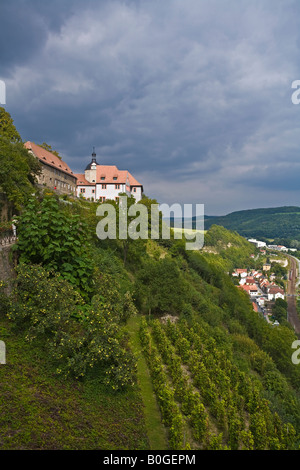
[
  {"x": 78, "y": 336},
  {"x": 18, "y": 168},
  {"x": 279, "y": 310},
  {"x": 129, "y": 237},
  {"x": 7, "y": 128},
  {"x": 48, "y": 147},
  {"x": 49, "y": 235},
  {"x": 160, "y": 286}
]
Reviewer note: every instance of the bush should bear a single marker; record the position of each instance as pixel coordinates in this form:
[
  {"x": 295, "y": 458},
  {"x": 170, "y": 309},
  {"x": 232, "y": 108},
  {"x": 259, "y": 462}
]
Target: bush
[
  {"x": 77, "y": 335},
  {"x": 3, "y": 298},
  {"x": 49, "y": 235}
]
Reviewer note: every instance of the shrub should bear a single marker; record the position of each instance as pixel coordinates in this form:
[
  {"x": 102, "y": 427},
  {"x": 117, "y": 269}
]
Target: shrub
[
  {"x": 49, "y": 235},
  {"x": 77, "y": 335},
  {"x": 3, "y": 298}
]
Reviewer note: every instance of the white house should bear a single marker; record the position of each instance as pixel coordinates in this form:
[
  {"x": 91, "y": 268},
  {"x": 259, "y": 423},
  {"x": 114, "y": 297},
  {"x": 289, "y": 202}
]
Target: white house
[
  {"x": 257, "y": 243},
  {"x": 261, "y": 301},
  {"x": 275, "y": 292},
  {"x": 103, "y": 182},
  {"x": 251, "y": 290}
]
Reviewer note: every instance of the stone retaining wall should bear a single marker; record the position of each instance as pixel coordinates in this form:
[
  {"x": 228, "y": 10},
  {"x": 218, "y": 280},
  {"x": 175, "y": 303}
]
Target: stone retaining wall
[
  {"x": 7, "y": 272},
  {"x": 6, "y": 208}
]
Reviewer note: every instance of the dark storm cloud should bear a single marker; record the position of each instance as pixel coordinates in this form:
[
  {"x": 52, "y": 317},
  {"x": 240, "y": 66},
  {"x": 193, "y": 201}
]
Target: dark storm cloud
[
  {"x": 192, "y": 97},
  {"x": 21, "y": 35}
]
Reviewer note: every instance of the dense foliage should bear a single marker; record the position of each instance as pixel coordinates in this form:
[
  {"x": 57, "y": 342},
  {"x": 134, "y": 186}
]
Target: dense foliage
[
  {"x": 200, "y": 389},
  {"x": 223, "y": 377},
  {"x": 18, "y": 167},
  {"x": 77, "y": 335},
  {"x": 52, "y": 236}
]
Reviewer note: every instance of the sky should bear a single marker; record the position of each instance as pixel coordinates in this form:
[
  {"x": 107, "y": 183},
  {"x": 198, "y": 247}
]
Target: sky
[{"x": 193, "y": 97}]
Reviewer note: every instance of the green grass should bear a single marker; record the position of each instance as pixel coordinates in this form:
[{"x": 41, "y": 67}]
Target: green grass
[
  {"x": 189, "y": 231},
  {"x": 40, "y": 411},
  {"x": 155, "y": 429}
]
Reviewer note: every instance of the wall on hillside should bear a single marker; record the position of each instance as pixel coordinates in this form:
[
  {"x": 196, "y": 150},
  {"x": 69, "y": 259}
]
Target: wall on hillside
[
  {"x": 6, "y": 208},
  {"x": 7, "y": 272}
]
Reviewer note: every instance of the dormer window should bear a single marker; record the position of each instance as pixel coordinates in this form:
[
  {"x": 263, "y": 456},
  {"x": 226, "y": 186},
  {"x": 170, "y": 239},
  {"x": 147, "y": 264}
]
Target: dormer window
[
  {"x": 115, "y": 178},
  {"x": 102, "y": 178}
]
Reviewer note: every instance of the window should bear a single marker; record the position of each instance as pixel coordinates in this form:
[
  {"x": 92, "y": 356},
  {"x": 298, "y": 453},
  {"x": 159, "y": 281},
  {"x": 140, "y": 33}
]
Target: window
[
  {"x": 115, "y": 178},
  {"x": 117, "y": 186},
  {"x": 103, "y": 186},
  {"x": 93, "y": 190},
  {"x": 82, "y": 190},
  {"x": 134, "y": 190},
  {"x": 102, "y": 198},
  {"x": 103, "y": 178}
]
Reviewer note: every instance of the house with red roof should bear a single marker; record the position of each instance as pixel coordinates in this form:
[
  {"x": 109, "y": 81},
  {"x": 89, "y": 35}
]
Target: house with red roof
[
  {"x": 106, "y": 182},
  {"x": 275, "y": 292},
  {"x": 56, "y": 174},
  {"x": 264, "y": 283},
  {"x": 251, "y": 290}
]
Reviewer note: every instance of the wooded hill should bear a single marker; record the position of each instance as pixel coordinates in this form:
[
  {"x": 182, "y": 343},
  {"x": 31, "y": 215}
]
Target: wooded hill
[
  {"x": 271, "y": 223},
  {"x": 137, "y": 344}
]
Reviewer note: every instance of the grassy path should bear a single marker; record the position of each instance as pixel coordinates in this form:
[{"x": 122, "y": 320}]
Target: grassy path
[{"x": 155, "y": 429}]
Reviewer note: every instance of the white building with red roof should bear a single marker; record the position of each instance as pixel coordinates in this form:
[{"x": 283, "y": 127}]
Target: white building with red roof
[
  {"x": 275, "y": 292},
  {"x": 251, "y": 290},
  {"x": 104, "y": 182}
]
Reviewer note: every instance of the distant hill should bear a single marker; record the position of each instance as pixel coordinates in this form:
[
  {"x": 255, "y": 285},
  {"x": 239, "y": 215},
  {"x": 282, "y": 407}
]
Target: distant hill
[
  {"x": 271, "y": 223},
  {"x": 274, "y": 222}
]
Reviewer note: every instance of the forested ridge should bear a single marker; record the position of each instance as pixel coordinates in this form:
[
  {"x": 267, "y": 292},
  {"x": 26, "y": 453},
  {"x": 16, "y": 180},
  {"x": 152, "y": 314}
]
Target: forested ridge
[{"x": 265, "y": 223}]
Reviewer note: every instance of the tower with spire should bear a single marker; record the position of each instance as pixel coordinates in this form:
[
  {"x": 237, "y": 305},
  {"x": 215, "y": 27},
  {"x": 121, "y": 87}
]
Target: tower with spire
[{"x": 91, "y": 169}]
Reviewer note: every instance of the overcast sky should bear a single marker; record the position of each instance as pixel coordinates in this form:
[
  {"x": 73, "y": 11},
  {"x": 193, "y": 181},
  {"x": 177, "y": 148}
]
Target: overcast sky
[{"x": 193, "y": 97}]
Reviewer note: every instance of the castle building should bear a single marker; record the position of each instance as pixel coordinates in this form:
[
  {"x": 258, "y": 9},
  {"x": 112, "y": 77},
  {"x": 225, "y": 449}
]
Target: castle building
[
  {"x": 104, "y": 182},
  {"x": 56, "y": 174}
]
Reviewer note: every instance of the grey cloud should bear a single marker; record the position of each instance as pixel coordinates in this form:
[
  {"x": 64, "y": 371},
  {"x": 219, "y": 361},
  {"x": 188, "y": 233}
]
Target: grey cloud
[{"x": 188, "y": 95}]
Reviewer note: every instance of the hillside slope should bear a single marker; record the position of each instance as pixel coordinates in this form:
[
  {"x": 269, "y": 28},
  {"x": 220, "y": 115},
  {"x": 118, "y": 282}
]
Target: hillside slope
[{"x": 222, "y": 376}]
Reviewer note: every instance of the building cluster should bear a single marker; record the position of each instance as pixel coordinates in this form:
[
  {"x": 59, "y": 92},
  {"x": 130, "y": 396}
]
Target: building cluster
[
  {"x": 262, "y": 245},
  {"x": 97, "y": 183},
  {"x": 261, "y": 288}
]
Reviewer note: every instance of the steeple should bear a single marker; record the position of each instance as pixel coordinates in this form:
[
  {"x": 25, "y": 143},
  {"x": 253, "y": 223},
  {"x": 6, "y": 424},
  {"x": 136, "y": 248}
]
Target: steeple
[
  {"x": 94, "y": 156},
  {"x": 91, "y": 170},
  {"x": 93, "y": 162}
]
